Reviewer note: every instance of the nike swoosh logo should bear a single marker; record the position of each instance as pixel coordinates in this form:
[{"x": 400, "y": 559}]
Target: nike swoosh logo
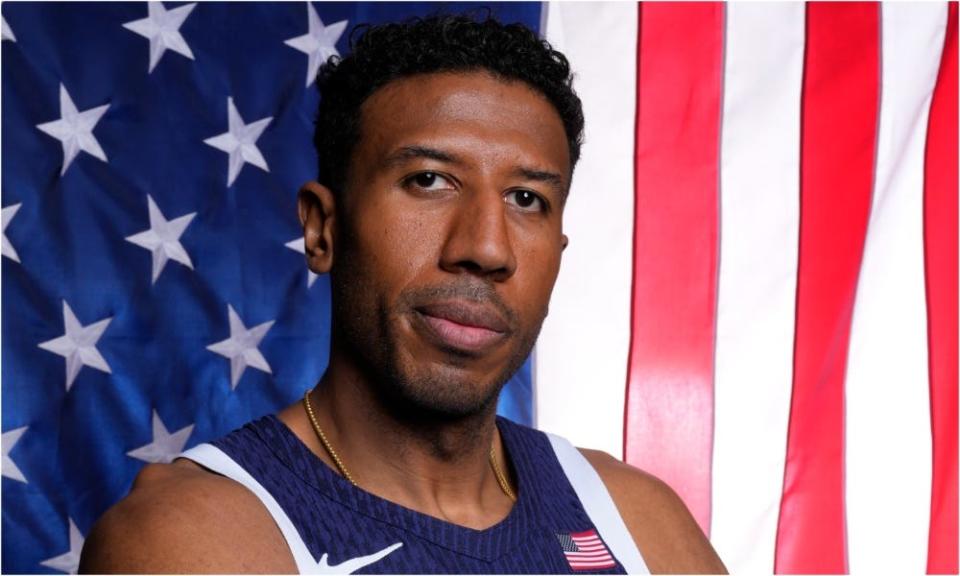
[{"x": 354, "y": 564}]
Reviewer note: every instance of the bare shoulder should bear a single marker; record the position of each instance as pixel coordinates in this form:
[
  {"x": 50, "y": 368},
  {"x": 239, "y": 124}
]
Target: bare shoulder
[
  {"x": 664, "y": 530},
  {"x": 182, "y": 518}
]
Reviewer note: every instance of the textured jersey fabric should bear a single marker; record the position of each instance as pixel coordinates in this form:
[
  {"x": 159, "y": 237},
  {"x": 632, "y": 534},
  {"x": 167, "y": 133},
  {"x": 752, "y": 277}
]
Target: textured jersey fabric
[{"x": 346, "y": 523}]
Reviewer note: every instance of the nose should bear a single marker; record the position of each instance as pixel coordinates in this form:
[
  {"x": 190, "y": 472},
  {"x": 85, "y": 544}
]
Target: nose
[{"x": 479, "y": 240}]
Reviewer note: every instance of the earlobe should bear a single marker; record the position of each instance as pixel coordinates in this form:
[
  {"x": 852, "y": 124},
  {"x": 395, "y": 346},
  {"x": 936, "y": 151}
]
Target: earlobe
[{"x": 316, "y": 208}]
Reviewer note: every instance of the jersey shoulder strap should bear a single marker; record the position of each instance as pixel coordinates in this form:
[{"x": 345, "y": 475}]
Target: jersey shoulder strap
[
  {"x": 598, "y": 505},
  {"x": 216, "y": 460}
]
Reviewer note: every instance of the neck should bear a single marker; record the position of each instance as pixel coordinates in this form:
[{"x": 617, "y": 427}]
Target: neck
[{"x": 435, "y": 465}]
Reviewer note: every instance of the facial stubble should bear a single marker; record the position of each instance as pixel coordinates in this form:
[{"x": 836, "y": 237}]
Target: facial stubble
[{"x": 419, "y": 390}]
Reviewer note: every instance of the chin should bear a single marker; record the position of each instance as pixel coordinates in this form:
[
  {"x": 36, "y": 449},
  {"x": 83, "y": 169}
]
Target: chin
[
  {"x": 420, "y": 382},
  {"x": 442, "y": 393}
]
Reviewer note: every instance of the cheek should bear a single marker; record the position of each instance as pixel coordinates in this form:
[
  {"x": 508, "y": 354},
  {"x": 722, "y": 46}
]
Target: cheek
[
  {"x": 398, "y": 244},
  {"x": 536, "y": 275}
]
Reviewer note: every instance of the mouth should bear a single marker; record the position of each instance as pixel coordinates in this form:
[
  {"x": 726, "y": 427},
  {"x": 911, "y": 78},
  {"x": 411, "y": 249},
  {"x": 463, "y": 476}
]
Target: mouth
[{"x": 463, "y": 327}]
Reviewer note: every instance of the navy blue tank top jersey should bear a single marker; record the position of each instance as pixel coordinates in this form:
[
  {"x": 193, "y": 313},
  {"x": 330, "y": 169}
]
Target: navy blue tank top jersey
[{"x": 563, "y": 522}]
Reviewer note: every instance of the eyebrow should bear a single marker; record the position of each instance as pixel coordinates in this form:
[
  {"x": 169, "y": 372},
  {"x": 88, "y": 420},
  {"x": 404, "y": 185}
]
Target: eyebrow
[
  {"x": 406, "y": 153},
  {"x": 551, "y": 178}
]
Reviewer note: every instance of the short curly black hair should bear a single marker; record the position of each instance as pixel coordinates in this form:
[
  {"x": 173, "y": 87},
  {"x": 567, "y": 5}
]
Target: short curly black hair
[{"x": 438, "y": 43}]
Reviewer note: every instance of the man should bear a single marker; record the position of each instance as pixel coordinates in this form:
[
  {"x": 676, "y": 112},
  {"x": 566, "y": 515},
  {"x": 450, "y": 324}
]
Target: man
[{"x": 446, "y": 151}]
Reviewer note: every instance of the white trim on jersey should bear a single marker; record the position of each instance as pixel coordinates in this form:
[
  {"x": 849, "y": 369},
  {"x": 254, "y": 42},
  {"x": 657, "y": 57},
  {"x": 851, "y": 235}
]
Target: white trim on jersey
[
  {"x": 594, "y": 496},
  {"x": 216, "y": 460},
  {"x": 599, "y": 505}
]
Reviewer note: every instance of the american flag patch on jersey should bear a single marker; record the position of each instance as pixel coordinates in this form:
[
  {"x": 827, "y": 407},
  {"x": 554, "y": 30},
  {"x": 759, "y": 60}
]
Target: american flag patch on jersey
[{"x": 585, "y": 551}]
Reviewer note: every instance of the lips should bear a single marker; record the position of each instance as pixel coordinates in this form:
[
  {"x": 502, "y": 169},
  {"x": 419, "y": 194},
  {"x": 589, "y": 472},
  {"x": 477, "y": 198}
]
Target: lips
[{"x": 463, "y": 326}]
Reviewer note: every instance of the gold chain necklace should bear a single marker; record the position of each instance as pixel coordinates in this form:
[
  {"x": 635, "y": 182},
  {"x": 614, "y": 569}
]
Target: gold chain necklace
[{"x": 497, "y": 472}]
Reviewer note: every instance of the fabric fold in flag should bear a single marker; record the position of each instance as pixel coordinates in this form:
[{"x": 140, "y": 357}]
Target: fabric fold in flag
[
  {"x": 838, "y": 139},
  {"x": 668, "y": 427},
  {"x": 940, "y": 251},
  {"x": 756, "y": 292}
]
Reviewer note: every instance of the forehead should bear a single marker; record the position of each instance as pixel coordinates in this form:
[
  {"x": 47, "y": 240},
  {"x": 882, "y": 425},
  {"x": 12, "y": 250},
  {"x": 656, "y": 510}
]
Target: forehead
[{"x": 475, "y": 114}]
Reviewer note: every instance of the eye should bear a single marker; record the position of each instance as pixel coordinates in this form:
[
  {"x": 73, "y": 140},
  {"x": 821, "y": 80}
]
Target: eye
[
  {"x": 526, "y": 200},
  {"x": 429, "y": 181}
]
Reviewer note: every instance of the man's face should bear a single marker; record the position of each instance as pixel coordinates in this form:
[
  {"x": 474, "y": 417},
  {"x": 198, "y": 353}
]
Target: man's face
[{"x": 448, "y": 237}]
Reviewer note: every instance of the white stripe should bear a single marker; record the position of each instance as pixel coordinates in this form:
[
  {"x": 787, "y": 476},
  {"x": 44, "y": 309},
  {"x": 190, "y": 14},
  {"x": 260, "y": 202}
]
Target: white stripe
[
  {"x": 759, "y": 231},
  {"x": 212, "y": 458},
  {"x": 580, "y": 366},
  {"x": 888, "y": 459},
  {"x": 590, "y": 557},
  {"x": 598, "y": 505}
]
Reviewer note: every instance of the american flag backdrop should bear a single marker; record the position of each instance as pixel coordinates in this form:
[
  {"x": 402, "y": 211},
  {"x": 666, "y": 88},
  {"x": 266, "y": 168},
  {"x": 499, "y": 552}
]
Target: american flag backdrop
[
  {"x": 155, "y": 295},
  {"x": 758, "y": 303},
  {"x": 760, "y": 291}
]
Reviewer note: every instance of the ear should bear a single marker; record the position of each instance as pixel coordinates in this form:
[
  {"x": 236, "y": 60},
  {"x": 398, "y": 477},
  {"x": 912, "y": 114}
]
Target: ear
[
  {"x": 316, "y": 206},
  {"x": 563, "y": 242}
]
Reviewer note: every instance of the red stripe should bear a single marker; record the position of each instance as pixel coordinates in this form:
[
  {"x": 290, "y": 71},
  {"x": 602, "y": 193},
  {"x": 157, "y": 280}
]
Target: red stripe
[
  {"x": 669, "y": 406},
  {"x": 940, "y": 241},
  {"x": 579, "y": 566},
  {"x": 839, "y": 119}
]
